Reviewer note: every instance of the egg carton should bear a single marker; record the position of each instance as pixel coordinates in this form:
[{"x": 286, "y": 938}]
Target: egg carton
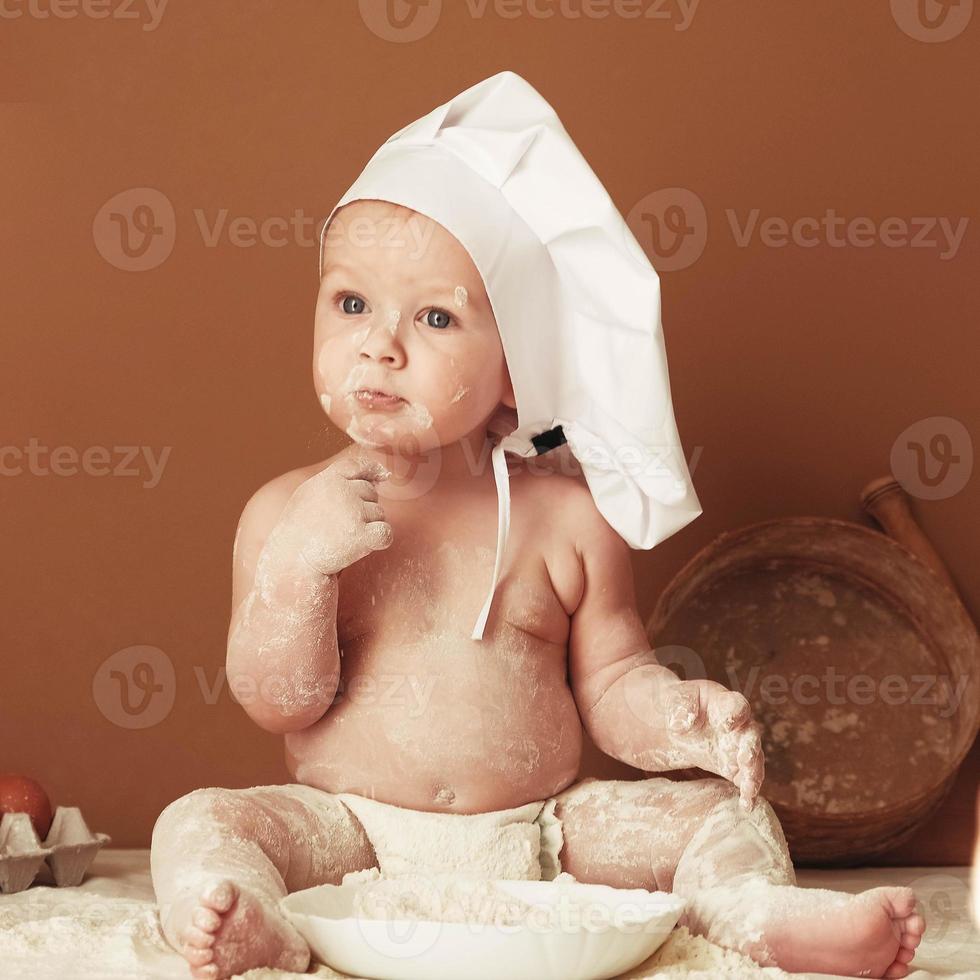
[{"x": 69, "y": 849}]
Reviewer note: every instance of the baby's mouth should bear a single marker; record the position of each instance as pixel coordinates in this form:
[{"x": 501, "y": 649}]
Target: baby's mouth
[{"x": 372, "y": 398}]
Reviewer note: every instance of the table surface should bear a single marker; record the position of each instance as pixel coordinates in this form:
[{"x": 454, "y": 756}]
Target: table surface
[{"x": 108, "y": 927}]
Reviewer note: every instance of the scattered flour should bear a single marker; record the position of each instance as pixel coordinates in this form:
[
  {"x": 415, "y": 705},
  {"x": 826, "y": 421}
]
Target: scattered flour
[
  {"x": 67, "y": 932},
  {"x": 694, "y": 958}
]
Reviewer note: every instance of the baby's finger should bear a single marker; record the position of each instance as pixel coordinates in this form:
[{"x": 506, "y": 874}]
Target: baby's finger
[
  {"x": 728, "y": 711},
  {"x": 750, "y": 747},
  {"x": 378, "y": 535},
  {"x": 751, "y": 766},
  {"x": 728, "y": 755},
  {"x": 372, "y": 511},
  {"x": 364, "y": 489},
  {"x": 357, "y": 468}
]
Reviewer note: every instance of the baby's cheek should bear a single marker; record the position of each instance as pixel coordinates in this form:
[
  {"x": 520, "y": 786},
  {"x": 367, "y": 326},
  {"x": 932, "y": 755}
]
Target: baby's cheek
[
  {"x": 456, "y": 387},
  {"x": 331, "y": 366}
]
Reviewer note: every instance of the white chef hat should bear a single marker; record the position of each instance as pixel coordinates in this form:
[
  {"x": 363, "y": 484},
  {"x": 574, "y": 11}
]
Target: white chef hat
[{"x": 576, "y": 301}]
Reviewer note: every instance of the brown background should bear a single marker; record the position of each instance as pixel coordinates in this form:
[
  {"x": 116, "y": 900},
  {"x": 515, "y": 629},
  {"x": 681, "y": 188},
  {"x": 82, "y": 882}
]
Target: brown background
[{"x": 794, "y": 370}]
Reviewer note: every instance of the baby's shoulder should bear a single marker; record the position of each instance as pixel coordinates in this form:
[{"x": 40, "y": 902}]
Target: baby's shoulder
[
  {"x": 564, "y": 497},
  {"x": 565, "y": 505},
  {"x": 266, "y": 505}
]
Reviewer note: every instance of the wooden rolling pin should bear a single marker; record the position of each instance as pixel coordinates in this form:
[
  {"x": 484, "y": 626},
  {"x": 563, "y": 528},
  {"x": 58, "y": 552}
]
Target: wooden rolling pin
[{"x": 886, "y": 501}]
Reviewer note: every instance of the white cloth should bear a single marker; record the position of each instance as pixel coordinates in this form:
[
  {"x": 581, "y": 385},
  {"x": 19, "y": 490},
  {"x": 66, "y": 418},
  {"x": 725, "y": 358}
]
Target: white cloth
[
  {"x": 521, "y": 842},
  {"x": 575, "y": 299}
]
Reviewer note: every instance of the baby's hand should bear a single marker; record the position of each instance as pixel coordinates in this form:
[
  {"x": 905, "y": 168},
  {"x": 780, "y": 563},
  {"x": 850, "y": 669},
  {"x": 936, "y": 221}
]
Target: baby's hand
[
  {"x": 335, "y": 517},
  {"x": 713, "y": 728}
]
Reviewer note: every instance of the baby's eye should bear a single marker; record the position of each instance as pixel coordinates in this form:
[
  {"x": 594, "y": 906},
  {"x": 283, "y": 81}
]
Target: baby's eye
[
  {"x": 439, "y": 319},
  {"x": 350, "y": 298}
]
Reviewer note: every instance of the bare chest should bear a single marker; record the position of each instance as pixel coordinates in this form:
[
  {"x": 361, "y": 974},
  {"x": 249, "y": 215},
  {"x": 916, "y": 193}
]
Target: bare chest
[{"x": 433, "y": 580}]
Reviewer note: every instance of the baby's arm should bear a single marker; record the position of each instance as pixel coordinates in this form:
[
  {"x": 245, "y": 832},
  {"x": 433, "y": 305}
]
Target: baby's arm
[
  {"x": 634, "y": 708},
  {"x": 283, "y": 660}
]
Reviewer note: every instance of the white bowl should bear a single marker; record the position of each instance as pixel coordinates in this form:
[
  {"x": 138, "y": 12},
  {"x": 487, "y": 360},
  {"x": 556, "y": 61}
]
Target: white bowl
[{"x": 599, "y": 932}]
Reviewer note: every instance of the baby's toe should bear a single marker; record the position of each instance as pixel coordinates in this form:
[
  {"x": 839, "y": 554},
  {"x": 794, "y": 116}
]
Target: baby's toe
[
  {"x": 207, "y": 920},
  {"x": 207, "y": 972},
  {"x": 198, "y": 937},
  {"x": 220, "y": 897},
  {"x": 197, "y": 956},
  {"x": 905, "y": 955},
  {"x": 728, "y": 710},
  {"x": 896, "y": 971},
  {"x": 912, "y": 929},
  {"x": 902, "y": 902}
]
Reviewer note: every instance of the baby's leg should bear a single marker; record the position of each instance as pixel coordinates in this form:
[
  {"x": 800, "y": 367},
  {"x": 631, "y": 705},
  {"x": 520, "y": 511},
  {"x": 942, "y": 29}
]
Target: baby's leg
[
  {"x": 735, "y": 872},
  {"x": 736, "y": 875},
  {"x": 221, "y": 859}
]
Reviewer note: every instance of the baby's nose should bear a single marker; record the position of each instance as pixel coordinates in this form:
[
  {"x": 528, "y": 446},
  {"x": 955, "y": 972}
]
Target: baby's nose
[{"x": 382, "y": 340}]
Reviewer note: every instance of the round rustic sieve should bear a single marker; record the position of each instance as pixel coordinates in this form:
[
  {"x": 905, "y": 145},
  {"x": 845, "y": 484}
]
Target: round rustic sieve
[{"x": 858, "y": 658}]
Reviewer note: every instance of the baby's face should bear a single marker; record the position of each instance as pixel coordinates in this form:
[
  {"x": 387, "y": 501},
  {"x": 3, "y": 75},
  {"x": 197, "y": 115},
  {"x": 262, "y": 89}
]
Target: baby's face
[{"x": 403, "y": 310}]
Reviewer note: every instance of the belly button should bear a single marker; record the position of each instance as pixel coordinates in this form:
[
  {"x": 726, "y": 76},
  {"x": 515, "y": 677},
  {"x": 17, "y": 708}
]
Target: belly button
[{"x": 444, "y": 795}]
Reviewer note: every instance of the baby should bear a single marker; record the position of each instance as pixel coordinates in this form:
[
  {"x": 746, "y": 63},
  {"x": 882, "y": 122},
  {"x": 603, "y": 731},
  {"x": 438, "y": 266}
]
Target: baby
[{"x": 366, "y": 568}]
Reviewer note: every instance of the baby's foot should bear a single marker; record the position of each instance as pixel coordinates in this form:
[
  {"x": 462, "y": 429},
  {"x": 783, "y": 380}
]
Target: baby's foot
[
  {"x": 872, "y": 934},
  {"x": 226, "y": 930}
]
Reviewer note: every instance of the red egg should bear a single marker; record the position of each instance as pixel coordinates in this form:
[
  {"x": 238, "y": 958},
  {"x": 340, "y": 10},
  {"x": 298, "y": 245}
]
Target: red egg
[{"x": 20, "y": 794}]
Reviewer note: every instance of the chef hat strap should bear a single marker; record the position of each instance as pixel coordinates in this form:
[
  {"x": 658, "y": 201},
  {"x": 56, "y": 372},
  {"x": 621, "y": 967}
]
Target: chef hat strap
[
  {"x": 502, "y": 480},
  {"x": 543, "y": 442}
]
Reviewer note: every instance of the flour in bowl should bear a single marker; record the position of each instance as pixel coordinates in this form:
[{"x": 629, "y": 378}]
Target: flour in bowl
[{"x": 439, "y": 898}]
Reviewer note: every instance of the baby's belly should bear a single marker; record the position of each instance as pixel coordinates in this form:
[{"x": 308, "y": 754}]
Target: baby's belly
[{"x": 453, "y": 731}]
